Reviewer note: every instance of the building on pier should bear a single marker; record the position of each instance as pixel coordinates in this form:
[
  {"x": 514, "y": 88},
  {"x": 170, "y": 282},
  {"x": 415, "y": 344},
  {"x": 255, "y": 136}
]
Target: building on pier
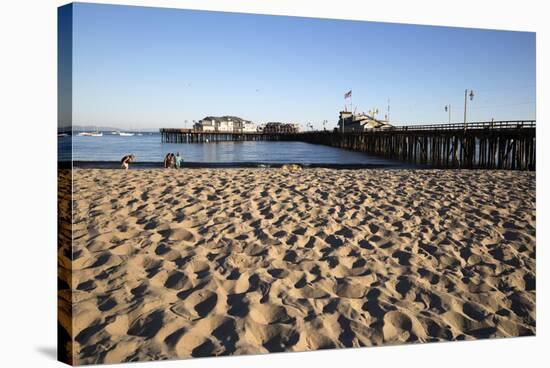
[
  {"x": 360, "y": 123},
  {"x": 205, "y": 126},
  {"x": 224, "y": 124},
  {"x": 280, "y": 128},
  {"x": 249, "y": 127}
]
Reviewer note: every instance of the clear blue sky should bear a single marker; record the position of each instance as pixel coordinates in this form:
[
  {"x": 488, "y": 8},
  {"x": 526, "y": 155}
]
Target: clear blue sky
[{"x": 140, "y": 67}]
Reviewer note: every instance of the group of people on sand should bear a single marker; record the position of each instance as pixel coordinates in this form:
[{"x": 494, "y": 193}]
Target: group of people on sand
[{"x": 172, "y": 161}]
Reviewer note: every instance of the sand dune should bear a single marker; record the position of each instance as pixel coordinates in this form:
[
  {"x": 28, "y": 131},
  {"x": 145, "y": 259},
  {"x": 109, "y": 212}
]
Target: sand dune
[{"x": 203, "y": 262}]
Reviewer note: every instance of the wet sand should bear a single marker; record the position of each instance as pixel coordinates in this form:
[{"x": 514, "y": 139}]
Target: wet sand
[{"x": 199, "y": 262}]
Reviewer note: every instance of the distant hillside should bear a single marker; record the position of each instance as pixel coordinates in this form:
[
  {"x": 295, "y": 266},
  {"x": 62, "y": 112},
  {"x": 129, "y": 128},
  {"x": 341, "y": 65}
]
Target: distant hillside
[
  {"x": 225, "y": 117},
  {"x": 85, "y": 128}
]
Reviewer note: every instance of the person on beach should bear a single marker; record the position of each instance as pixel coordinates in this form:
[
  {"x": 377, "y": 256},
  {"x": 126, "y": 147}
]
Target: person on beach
[
  {"x": 168, "y": 161},
  {"x": 172, "y": 161},
  {"x": 179, "y": 160},
  {"x": 125, "y": 161}
]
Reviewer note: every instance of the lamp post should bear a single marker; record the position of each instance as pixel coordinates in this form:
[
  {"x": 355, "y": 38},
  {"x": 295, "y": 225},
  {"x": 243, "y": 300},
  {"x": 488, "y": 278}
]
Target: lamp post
[
  {"x": 448, "y": 108},
  {"x": 466, "y": 94}
]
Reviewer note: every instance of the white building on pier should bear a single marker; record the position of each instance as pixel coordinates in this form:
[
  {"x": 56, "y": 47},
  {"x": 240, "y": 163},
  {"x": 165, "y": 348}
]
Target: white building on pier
[{"x": 225, "y": 124}]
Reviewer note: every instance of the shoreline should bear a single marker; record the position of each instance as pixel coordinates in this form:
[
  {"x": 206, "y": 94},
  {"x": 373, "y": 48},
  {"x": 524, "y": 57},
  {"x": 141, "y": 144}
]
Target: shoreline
[
  {"x": 235, "y": 165},
  {"x": 115, "y": 165}
]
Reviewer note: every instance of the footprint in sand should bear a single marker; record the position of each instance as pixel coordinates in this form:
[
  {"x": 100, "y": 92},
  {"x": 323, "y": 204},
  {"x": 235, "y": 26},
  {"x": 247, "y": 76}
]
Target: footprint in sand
[
  {"x": 397, "y": 326},
  {"x": 197, "y": 305},
  {"x": 177, "y": 234},
  {"x": 278, "y": 273},
  {"x": 106, "y": 302},
  {"x": 88, "y": 285},
  {"x": 147, "y": 325},
  {"x": 176, "y": 280},
  {"x": 227, "y": 335},
  {"x": 238, "y": 305},
  {"x": 266, "y": 314}
]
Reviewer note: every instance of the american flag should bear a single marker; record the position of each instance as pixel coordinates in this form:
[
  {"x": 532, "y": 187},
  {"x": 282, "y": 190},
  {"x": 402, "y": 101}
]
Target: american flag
[{"x": 347, "y": 94}]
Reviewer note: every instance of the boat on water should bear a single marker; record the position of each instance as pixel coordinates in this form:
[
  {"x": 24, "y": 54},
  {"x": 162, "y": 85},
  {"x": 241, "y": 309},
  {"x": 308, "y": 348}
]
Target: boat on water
[
  {"x": 123, "y": 134},
  {"x": 90, "y": 134}
]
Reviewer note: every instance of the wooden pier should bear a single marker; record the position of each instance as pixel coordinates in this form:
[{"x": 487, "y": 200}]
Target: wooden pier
[
  {"x": 483, "y": 145},
  {"x": 174, "y": 135}
]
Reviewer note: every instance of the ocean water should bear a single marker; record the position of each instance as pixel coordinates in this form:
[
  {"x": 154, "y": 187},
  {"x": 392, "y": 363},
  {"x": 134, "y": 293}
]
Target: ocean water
[{"x": 148, "y": 148}]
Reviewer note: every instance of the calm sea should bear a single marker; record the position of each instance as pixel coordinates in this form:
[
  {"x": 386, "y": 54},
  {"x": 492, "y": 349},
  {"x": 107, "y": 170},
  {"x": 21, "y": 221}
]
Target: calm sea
[{"x": 149, "y": 149}]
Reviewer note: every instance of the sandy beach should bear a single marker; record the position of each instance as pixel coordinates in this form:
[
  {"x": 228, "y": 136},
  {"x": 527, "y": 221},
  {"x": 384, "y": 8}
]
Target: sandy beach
[{"x": 181, "y": 263}]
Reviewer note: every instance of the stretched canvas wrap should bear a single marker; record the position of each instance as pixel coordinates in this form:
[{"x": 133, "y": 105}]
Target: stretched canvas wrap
[{"x": 246, "y": 184}]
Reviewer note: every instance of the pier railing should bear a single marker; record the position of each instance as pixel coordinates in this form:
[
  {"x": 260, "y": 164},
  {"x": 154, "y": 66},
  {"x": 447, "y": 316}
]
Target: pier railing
[{"x": 508, "y": 124}]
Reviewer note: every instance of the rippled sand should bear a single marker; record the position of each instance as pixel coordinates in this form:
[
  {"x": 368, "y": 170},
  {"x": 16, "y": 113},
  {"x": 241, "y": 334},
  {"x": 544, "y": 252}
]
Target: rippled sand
[{"x": 203, "y": 262}]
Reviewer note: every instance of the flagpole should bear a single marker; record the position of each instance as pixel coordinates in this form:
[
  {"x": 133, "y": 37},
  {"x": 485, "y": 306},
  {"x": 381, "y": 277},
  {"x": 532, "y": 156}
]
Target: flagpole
[
  {"x": 342, "y": 116},
  {"x": 346, "y": 95},
  {"x": 351, "y": 104}
]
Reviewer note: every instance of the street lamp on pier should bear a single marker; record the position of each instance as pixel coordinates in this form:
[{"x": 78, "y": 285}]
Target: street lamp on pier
[
  {"x": 467, "y": 93},
  {"x": 448, "y": 109}
]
